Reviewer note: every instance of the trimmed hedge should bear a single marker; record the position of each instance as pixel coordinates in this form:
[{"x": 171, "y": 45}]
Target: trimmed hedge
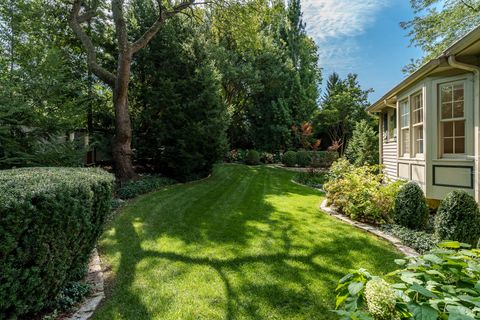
[
  {"x": 289, "y": 158},
  {"x": 143, "y": 185},
  {"x": 458, "y": 218},
  {"x": 253, "y": 157},
  {"x": 50, "y": 219},
  {"x": 304, "y": 158},
  {"x": 323, "y": 159},
  {"x": 411, "y": 208}
]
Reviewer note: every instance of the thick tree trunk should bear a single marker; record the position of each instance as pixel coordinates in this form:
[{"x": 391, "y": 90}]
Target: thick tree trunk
[{"x": 122, "y": 147}]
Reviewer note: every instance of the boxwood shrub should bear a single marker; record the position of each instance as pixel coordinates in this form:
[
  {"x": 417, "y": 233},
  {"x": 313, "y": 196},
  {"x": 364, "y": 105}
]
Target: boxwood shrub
[
  {"x": 411, "y": 208},
  {"x": 458, "y": 218},
  {"x": 50, "y": 219},
  {"x": 289, "y": 158},
  {"x": 304, "y": 158},
  {"x": 253, "y": 157}
]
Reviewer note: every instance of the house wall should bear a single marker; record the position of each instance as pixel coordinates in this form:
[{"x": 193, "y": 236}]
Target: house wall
[{"x": 389, "y": 159}]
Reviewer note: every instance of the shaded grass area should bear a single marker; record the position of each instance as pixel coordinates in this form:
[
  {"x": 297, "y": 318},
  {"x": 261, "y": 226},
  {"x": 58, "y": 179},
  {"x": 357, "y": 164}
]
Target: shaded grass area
[{"x": 246, "y": 243}]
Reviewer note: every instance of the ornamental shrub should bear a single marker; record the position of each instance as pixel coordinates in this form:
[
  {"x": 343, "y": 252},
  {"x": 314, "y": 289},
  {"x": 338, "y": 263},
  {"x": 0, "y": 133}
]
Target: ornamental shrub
[
  {"x": 381, "y": 300},
  {"x": 420, "y": 241},
  {"x": 458, "y": 218},
  {"x": 253, "y": 157},
  {"x": 411, "y": 208},
  {"x": 363, "y": 146},
  {"x": 304, "y": 158},
  {"x": 323, "y": 159},
  {"x": 50, "y": 219},
  {"x": 289, "y": 158},
  {"x": 143, "y": 185}
]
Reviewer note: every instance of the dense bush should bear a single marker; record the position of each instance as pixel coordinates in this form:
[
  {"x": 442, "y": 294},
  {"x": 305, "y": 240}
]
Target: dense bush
[
  {"x": 289, "y": 158},
  {"x": 420, "y": 241},
  {"x": 362, "y": 148},
  {"x": 253, "y": 157},
  {"x": 323, "y": 159},
  {"x": 312, "y": 178},
  {"x": 411, "y": 208},
  {"x": 304, "y": 158},
  {"x": 50, "y": 219},
  {"x": 458, "y": 218},
  {"x": 143, "y": 185},
  {"x": 442, "y": 284},
  {"x": 360, "y": 192},
  {"x": 267, "y": 157}
]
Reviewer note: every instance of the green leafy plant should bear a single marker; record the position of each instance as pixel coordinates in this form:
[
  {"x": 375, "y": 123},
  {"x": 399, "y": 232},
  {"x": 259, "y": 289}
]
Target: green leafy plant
[
  {"x": 253, "y": 157},
  {"x": 312, "y": 178},
  {"x": 458, "y": 218},
  {"x": 304, "y": 158},
  {"x": 411, "y": 208},
  {"x": 362, "y": 148},
  {"x": 323, "y": 159},
  {"x": 50, "y": 219},
  {"x": 267, "y": 157},
  {"x": 289, "y": 158},
  {"x": 143, "y": 185},
  {"x": 360, "y": 192},
  {"x": 442, "y": 284},
  {"x": 420, "y": 241}
]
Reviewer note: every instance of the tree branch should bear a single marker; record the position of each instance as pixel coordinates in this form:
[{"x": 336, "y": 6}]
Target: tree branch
[
  {"x": 120, "y": 25},
  {"x": 162, "y": 17},
  {"x": 106, "y": 76},
  {"x": 470, "y": 6}
]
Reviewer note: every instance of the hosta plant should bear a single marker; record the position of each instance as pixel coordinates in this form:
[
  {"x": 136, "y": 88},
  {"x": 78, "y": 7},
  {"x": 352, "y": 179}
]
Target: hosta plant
[{"x": 442, "y": 284}]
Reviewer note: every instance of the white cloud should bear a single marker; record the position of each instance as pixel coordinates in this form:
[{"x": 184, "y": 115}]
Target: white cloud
[{"x": 334, "y": 24}]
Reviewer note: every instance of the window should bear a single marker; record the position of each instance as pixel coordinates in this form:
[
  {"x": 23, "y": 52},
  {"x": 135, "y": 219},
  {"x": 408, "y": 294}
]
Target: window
[
  {"x": 404, "y": 128},
  {"x": 417, "y": 119},
  {"x": 389, "y": 125},
  {"x": 385, "y": 126},
  {"x": 452, "y": 119}
]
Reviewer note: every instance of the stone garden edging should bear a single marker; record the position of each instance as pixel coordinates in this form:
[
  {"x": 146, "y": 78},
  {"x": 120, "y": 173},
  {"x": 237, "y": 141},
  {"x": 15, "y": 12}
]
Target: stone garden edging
[
  {"x": 95, "y": 279},
  {"x": 409, "y": 252}
]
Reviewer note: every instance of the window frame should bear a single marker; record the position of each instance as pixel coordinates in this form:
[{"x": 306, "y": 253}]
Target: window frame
[
  {"x": 453, "y": 120},
  {"x": 405, "y": 149},
  {"x": 415, "y": 125}
]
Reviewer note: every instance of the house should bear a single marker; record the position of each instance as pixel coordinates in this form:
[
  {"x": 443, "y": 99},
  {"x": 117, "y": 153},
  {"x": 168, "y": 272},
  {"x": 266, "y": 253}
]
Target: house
[{"x": 430, "y": 122}]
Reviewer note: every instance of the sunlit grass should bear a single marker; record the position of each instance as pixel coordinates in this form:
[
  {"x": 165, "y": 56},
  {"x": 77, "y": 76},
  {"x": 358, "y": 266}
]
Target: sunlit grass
[{"x": 244, "y": 244}]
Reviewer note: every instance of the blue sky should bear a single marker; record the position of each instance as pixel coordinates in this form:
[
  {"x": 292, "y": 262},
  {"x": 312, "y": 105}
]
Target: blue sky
[{"x": 363, "y": 37}]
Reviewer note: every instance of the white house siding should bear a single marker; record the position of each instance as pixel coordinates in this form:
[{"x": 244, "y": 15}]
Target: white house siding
[{"x": 389, "y": 159}]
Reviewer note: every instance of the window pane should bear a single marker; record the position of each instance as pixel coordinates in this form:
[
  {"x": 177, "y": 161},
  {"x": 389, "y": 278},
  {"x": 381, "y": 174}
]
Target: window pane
[
  {"x": 447, "y": 129},
  {"x": 448, "y": 145},
  {"x": 405, "y": 141},
  {"x": 418, "y": 139},
  {"x": 459, "y": 145},
  {"x": 446, "y": 94},
  {"x": 418, "y": 116},
  {"x": 458, "y": 92},
  {"x": 460, "y": 128},
  {"x": 458, "y": 109},
  {"x": 447, "y": 110}
]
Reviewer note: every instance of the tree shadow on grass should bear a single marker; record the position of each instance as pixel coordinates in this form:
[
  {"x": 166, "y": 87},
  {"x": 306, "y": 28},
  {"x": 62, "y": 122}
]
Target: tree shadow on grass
[{"x": 291, "y": 266}]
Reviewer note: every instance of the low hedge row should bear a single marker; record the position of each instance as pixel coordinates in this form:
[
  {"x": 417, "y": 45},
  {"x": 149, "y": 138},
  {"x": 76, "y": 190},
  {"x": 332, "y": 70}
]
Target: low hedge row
[
  {"x": 315, "y": 159},
  {"x": 143, "y": 185},
  {"x": 50, "y": 219}
]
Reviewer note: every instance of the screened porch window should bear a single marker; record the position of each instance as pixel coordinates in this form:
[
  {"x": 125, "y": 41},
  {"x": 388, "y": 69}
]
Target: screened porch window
[
  {"x": 404, "y": 128},
  {"x": 452, "y": 119}
]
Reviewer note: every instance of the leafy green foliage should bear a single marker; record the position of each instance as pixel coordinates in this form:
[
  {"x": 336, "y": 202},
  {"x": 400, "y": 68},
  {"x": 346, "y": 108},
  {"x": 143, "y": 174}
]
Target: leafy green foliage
[
  {"x": 442, "y": 284},
  {"x": 411, "y": 208},
  {"x": 70, "y": 295},
  {"x": 420, "y": 241},
  {"x": 458, "y": 218},
  {"x": 323, "y": 159},
  {"x": 253, "y": 157},
  {"x": 312, "y": 178},
  {"x": 438, "y": 24},
  {"x": 359, "y": 192},
  {"x": 144, "y": 184},
  {"x": 289, "y": 158},
  {"x": 181, "y": 123},
  {"x": 362, "y": 149},
  {"x": 50, "y": 219},
  {"x": 304, "y": 158}
]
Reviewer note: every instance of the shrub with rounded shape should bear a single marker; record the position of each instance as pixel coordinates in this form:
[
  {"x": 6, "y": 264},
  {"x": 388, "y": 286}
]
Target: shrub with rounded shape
[
  {"x": 50, "y": 219},
  {"x": 252, "y": 158},
  {"x": 289, "y": 158},
  {"x": 381, "y": 300},
  {"x": 411, "y": 208},
  {"x": 458, "y": 218},
  {"x": 304, "y": 158}
]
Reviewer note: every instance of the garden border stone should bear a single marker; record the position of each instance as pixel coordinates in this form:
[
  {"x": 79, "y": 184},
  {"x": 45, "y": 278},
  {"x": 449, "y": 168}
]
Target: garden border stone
[
  {"x": 96, "y": 280},
  {"x": 409, "y": 252}
]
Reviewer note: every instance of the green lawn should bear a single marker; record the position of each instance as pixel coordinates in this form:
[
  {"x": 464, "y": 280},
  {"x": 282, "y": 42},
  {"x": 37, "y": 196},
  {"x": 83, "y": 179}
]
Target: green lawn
[{"x": 244, "y": 244}]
